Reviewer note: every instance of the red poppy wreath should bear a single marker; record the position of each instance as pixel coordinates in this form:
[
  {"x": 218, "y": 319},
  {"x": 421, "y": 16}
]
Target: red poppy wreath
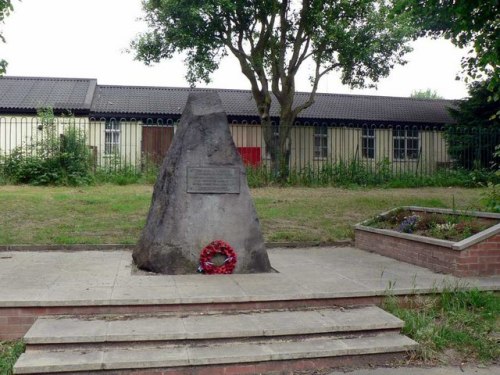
[{"x": 214, "y": 248}]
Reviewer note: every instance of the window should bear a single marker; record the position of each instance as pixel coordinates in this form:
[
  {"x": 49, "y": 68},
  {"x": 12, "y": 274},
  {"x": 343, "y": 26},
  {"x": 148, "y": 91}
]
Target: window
[
  {"x": 406, "y": 144},
  {"x": 368, "y": 143},
  {"x": 111, "y": 137},
  {"x": 320, "y": 142}
]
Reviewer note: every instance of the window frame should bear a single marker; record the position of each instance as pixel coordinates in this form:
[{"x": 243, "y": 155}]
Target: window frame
[
  {"x": 112, "y": 138},
  {"x": 405, "y": 139},
  {"x": 322, "y": 148},
  {"x": 366, "y": 139}
]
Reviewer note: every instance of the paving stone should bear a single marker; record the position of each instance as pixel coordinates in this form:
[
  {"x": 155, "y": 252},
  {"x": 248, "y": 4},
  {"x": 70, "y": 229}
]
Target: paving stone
[
  {"x": 221, "y": 326},
  {"x": 66, "y": 330},
  {"x": 229, "y": 353},
  {"x": 370, "y": 317},
  {"x": 145, "y": 329},
  {"x": 139, "y": 294},
  {"x": 145, "y": 358},
  {"x": 38, "y": 362}
]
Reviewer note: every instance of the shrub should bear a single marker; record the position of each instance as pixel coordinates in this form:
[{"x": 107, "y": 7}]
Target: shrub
[
  {"x": 345, "y": 173},
  {"x": 55, "y": 159}
]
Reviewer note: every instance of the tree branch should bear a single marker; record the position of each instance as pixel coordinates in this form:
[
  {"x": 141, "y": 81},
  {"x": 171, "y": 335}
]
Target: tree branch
[
  {"x": 299, "y": 39},
  {"x": 317, "y": 76}
]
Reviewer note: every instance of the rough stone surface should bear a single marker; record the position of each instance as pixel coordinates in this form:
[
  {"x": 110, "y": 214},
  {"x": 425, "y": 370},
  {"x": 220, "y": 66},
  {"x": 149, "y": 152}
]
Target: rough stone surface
[{"x": 181, "y": 223}]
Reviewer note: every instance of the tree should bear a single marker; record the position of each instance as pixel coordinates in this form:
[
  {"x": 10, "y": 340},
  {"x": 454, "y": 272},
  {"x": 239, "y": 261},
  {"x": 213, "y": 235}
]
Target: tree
[
  {"x": 272, "y": 40},
  {"x": 5, "y": 9},
  {"x": 473, "y": 23},
  {"x": 425, "y": 94},
  {"x": 472, "y": 140}
]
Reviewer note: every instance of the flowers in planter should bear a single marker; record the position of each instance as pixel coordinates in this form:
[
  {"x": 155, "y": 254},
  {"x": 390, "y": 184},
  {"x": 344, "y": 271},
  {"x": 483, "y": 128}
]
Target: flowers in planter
[
  {"x": 450, "y": 227},
  {"x": 446, "y": 226},
  {"x": 409, "y": 224}
]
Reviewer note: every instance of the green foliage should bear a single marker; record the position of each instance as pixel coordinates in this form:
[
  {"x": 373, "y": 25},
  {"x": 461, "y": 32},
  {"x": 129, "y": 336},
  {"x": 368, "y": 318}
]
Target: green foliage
[
  {"x": 492, "y": 195},
  {"x": 9, "y": 353},
  {"x": 355, "y": 173},
  {"x": 425, "y": 94},
  {"x": 454, "y": 318},
  {"x": 271, "y": 40},
  {"x": 53, "y": 159},
  {"x": 114, "y": 171},
  {"x": 5, "y": 9},
  {"x": 491, "y": 198},
  {"x": 472, "y": 140},
  {"x": 468, "y": 24}
]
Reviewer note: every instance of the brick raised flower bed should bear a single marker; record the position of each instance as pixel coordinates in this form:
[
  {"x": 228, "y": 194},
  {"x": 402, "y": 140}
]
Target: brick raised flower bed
[{"x": 478, "y": 255}]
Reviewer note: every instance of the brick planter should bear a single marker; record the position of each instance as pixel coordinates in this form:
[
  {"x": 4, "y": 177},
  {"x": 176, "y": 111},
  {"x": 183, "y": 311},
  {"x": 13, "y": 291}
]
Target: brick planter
[{"x": 478, "y": 255}]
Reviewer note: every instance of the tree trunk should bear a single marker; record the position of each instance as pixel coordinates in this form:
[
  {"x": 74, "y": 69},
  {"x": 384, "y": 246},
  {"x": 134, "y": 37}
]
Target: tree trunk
[{"x": 278, "y": 144}]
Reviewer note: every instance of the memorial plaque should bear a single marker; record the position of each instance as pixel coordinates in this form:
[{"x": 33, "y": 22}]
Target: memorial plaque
[{"x": 213, "y": 180}]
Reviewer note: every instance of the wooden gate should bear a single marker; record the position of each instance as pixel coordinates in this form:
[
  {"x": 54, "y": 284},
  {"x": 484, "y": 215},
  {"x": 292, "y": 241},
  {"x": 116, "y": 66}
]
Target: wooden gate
[{"x": 156, "y": 141}]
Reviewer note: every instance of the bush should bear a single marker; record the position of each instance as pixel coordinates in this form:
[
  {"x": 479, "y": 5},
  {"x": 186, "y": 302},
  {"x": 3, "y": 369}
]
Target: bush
[{"x": 55, "y": 159}]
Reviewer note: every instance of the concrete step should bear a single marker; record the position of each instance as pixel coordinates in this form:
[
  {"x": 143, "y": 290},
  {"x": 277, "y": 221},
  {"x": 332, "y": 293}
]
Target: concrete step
[
  {"x": 219, "y": 354},
  {"x": 208, "y": 326}
]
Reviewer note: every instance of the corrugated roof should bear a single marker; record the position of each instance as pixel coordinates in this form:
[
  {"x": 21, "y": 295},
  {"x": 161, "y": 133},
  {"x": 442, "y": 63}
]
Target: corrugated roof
[
  {"x": 327, "y": 107},
  {"x": 26, "y": 94},
  {"x": 30, "y": 93}
]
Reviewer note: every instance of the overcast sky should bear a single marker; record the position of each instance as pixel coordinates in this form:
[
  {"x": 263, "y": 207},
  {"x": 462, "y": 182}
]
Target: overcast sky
[{"x": 87, "y": 39}]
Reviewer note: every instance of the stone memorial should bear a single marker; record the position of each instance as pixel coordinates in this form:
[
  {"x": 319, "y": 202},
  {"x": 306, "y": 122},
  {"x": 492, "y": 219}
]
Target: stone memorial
[{"x": 201, "y": 196}]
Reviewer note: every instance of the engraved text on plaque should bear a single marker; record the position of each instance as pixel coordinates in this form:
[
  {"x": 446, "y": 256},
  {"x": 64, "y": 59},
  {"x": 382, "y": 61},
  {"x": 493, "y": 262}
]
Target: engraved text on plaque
[{"x": 213, "y": 180}]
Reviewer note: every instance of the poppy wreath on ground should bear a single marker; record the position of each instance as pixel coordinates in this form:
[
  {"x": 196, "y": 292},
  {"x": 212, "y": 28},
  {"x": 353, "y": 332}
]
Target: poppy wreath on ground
[{"x": 215, "y": 248}]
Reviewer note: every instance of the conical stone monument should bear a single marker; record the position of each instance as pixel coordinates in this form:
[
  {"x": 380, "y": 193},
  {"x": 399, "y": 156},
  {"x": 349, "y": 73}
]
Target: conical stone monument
[{"x": 201, "y": 195}]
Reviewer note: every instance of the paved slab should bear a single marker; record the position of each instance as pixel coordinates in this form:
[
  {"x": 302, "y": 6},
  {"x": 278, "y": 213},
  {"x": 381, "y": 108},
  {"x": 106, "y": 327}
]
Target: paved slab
[
  {"x": 107, "y": 278},
  {"x": 57, "y": 330}
]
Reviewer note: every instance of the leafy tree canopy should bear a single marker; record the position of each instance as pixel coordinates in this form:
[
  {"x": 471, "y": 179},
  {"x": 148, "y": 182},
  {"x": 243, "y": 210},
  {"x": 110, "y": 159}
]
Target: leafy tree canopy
[
  {"x": 425, "y": 94},
  {"x": 476, "y": 111},
  {"x": 5, "y": 9},
  {"x": 272, "y": 39},
  {"x": 471, "y": 24},
  {"x": 472, "y": 140}
]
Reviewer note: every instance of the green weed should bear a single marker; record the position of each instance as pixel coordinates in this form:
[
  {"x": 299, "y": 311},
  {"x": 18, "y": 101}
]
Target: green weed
[
  {"x": 352, "y": 173},
  {"x": 9, "y": 353},
  {"x": 466, "y": 321}
]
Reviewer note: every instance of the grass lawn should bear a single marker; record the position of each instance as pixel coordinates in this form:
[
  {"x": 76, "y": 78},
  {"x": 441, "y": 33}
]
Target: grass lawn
[{"x": 116, "y": 214}]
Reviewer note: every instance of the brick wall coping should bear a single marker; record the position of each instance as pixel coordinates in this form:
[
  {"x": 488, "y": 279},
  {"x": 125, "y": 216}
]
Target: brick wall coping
[{"x": 458, "y": 246}]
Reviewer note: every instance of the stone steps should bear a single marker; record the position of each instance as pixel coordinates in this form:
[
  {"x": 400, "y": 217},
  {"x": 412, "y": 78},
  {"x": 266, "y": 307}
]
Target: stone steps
[
  {"x": 200, "y": 326},
  {"x": 193, "y": 341},
  {"x": 201, "y": 355}
]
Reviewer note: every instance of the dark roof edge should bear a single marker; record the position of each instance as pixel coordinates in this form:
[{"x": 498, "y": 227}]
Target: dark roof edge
[{"x": 242, "y": 119}]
